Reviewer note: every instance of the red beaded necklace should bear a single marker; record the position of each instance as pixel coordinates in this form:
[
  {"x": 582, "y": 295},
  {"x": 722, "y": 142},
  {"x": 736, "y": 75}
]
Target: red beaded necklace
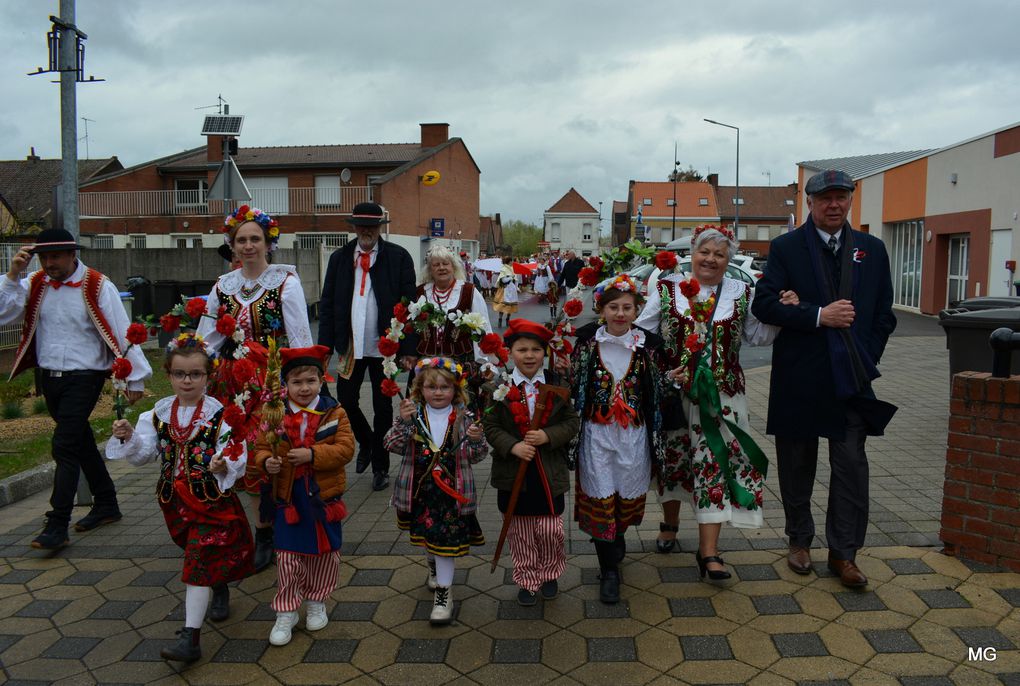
[
  {"x": 442, "y": 296},
  {"x": 179, "y": 433}
]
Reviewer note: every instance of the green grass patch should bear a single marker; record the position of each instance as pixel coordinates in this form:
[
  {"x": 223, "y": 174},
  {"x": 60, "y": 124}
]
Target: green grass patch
[{"x": 23, "y": 454}]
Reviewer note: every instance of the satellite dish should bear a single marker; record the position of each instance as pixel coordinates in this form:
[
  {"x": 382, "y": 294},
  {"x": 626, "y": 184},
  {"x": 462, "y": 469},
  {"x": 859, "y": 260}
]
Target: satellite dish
[
  {"x": 345, "y": 175},
  {"x": 430, "y": 178}
]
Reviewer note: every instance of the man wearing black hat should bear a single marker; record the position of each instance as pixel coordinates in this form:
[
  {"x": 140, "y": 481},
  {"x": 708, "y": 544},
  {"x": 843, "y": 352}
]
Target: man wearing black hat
[
  {"x": 365, "y": 279},
  {"x": 74, "y": 326},
  {"x": 823, "y": 362}
]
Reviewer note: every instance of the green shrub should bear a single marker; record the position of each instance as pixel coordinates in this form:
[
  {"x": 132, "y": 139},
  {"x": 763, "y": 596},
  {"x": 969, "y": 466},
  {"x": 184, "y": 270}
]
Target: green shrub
[
  {"x": 12, "y": 410},
  {"x": 39, "y": 406},
  {"x": 16, "y": 389}
]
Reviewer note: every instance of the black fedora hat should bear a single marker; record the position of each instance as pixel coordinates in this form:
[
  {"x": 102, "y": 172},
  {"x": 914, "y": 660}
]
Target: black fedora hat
[
  {"x": 368, "y": 214},
  {"x": 54, "y": 240}
]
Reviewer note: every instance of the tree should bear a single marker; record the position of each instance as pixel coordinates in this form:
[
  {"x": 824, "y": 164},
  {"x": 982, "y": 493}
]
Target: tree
[
  {"x": 682, "y": 175},
  {"x": 522, "y": 237}
]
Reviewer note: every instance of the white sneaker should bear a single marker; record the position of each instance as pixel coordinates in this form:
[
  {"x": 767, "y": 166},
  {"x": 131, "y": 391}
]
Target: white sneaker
[
  {"x": 285, "y": 622},
  {"x": 431, "y": 582},
  {"x": 316, "y": 617},
  {"x": 442, "y": 606}
]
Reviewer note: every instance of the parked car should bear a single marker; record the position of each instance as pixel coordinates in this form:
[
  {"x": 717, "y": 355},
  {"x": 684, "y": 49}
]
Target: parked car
[{"x": 738, "y": 269}]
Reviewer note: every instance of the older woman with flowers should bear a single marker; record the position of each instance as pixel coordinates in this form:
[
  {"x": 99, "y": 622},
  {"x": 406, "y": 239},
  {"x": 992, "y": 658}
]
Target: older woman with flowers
[
  {"x": 708, "y": 451},
  {"x": 265, "y": 300}
]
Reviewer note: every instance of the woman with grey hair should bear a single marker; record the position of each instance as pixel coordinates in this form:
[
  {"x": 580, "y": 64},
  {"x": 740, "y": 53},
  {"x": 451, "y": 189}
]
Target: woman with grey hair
[{"x": 710, "y": 457}]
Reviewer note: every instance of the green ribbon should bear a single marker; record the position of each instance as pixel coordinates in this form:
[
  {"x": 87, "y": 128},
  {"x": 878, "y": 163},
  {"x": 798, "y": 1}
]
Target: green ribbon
[{"x": 706, "y": 394}]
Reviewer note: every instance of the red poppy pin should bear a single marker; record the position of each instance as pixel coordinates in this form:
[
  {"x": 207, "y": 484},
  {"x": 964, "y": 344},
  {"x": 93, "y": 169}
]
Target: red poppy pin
[{"x": 859, "y": 255}]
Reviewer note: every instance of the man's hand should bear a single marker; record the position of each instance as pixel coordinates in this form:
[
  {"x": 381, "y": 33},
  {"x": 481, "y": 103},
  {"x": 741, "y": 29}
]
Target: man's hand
[
  {"x": 19, "y": 262},
  {"x": 789, "y": 298},
  {"x": 218, "y": 465},
  {"x": 133, "y": 396},
  {"x": 408, "y": 362},
  {"x": 523, "y": 451},
  {"x": 122, "y": 429},
  {"x": 838, "y": 314}
]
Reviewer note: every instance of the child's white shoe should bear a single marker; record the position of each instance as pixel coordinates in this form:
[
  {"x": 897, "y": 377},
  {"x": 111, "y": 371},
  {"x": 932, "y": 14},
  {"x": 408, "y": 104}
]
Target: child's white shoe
[
  {"x": 285, "y": 623},
  {"x": 431, "y": 582},
  {"x": 316, "y": 618},
  {"x": 442, "y": 606}
]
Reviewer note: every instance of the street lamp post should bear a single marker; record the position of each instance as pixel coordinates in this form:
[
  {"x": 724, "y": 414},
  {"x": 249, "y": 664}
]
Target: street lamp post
[
  {"x": 676, "y": 165},
  {"x": 736, "y": 201}
]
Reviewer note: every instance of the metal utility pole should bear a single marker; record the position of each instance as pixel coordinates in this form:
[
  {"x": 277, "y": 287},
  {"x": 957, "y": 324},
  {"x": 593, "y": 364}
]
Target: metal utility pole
[
  {"x": 676, "y": 165},
  {"x": 736, "y": 201}
]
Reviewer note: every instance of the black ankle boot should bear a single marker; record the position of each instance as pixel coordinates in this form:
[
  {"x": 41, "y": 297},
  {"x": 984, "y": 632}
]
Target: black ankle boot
[
  {"x": 609, "y": 572},
  {"x": 620, "y": 545},
  {"x": 263, "y": 548},
  {"x": 219, "y": 609},
  {"x": 187, "y": 648}
]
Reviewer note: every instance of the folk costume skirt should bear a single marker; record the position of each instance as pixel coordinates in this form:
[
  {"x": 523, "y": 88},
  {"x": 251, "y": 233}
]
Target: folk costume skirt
[
  {"x": 216, "y": 541},
  {"x": 435, "y": 521}
]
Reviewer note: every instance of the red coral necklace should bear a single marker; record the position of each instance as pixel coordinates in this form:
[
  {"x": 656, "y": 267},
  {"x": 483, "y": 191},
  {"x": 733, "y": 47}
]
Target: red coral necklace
[
  {"x": 442, "y": 296},
  {"x": 179, "y": 433}
]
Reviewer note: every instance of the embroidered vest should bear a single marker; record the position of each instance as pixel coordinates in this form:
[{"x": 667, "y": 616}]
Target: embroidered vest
[
  {"x": 266, "y": 314},
  {"x": 725, "y": 336},
  {"x": 197, "y": 452},
  {"x": 603, "y": 396},
  {"x": 446, "y": 341},
  {"x": 91, "y": 286}
]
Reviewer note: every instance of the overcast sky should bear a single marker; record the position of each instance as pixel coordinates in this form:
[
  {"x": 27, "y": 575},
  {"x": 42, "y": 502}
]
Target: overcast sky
[{"x": 546, "y": 95}]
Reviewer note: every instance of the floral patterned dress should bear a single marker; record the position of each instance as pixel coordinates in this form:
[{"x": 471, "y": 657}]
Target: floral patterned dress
[{"x": 724, "y": 487}]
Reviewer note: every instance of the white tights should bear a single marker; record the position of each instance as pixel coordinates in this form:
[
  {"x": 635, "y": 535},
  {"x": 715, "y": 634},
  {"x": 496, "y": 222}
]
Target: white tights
[
  {"x": 196, "y": 601},
  {"x": 444, "y": 569}
]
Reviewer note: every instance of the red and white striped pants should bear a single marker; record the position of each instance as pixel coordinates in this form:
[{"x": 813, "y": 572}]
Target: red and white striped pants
[
  {"x": 536, "y": 547},
  {"x": 304, "y": 577}
]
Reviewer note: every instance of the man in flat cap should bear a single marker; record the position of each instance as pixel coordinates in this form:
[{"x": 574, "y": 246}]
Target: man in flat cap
[
  {"x": 823, "y": 362},
  {"x": 364, "y": 280},
  {"x": 74, "y": 324}
]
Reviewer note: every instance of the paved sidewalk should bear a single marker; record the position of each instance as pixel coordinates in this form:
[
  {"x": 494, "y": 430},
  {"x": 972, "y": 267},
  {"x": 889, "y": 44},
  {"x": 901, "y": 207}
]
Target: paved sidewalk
[{"x": 100, "y": 610}]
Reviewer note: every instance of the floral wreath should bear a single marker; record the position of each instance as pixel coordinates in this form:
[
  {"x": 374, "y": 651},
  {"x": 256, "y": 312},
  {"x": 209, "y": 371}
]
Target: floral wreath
[
  {"x": 446, "y": 364},
  {"x": 622, "y": 282},
  {"x": 244, "y": 214},
  {"x": 187, "y": 340},
  {"x": 724, "y": 230}
]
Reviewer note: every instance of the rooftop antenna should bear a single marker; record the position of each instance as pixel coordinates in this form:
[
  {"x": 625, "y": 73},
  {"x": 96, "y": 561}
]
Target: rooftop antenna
[
  {"x": 86, "y": 136},
  {"x": 768, "y": 174},
  {"x": 222, "y": 107}
]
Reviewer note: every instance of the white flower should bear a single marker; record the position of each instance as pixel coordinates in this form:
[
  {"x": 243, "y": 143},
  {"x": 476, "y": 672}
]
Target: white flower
[
  {"x": 473, "y": 320},
  {"x": 238, "y": 335},
  {"x": 395, "y": 324},
  {"x": 500, "y": 393},
  {"x": 489, "y": 368},
  {"x": 389, "y": 367},
  {"x": 239, "y": 399},
  {"x": 119, "y": 384},
  {"x": 414, "y": 309},
  {"x": 453, "y": 317}
]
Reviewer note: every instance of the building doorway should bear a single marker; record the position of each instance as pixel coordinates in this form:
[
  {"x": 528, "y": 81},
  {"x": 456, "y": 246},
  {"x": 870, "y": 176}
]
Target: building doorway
[{"x": 956, "y": 284}]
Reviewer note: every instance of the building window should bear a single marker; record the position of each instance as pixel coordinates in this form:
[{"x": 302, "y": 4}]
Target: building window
[
  {"x": 763, "y": 233},
  {"x": 190, "y": 193},
  {"x": 703, "y": 202},
  {"x": 327, "y": 192},
  {"x": 586, "y": 253},
  {"x": 789, "y": 203},
  {"x": 670, "y": 202},
  {"x": 269, "y": 193},
  {"x": 741, "y": 233},
  {"x": 905, "y": 245},
  {"x": 620, "y": 218},
  {"x": 103, "y": 240},
  {"x": 554, "y": 231},
  {"x": 586, "y": 232},
  {"x": 313, "y": 241},
  {"x": 187, "y": 240},
  {"x": 738, "y": 201},
  {"x": 646, "y": 201},
  {"x": 138, "y": 241}
]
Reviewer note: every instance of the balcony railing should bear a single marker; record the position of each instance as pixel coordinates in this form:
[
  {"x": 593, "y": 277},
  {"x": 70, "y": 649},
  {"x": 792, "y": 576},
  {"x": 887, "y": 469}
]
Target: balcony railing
[{"x": 276, "y": 201}]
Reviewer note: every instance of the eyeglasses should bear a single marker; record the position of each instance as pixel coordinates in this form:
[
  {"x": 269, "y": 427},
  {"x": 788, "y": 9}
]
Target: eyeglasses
[{"x": 178, "y": 375}]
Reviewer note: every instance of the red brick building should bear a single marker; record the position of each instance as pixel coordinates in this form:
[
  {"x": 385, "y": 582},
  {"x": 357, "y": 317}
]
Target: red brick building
[{"x": 764, "y": 212}]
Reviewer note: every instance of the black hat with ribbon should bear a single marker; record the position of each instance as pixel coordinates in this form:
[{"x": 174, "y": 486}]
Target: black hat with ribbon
[
  {"x": 54, "y": 240},
  {"x": 368, "y": 214}
]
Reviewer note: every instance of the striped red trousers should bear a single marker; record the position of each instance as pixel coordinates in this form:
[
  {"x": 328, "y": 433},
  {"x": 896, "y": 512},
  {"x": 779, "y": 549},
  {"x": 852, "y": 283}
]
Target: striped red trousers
[
  {"x": 536, "y": 547},
  {"x": 304, "y": 577}
]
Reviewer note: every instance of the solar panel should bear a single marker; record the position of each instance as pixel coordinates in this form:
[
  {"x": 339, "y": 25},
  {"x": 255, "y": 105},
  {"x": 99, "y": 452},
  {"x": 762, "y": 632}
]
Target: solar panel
[{"x": 222, "y": 124}]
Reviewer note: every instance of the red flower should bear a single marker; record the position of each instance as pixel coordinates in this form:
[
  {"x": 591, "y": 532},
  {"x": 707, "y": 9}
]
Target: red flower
[
  {"x": 389, "y": 388},
  {"x": 693, "y": 343},
  {"x": 715, "y": 494},
  {"x": 195, "y": 308},
  {"x": 242, "y": 370},
  {"x": 514, "y": 395},
  {"x": 233, "y": 450},
  {"x": 690, "y": 288},
  {"x": 170, "y": 323},
  {"x": 226, "y": 325},
  {"x": 588, "y": 276},
  {"x": 400, "y": 312},
  {"x": 121, "y": 368},
  {"x": 572, "y": 307},
  {"x": 388, "y": 347},
  {"x": 490, "y": 343},
  {"x": 136, "y": 334},
  {"x": 665, "y": 260},
  {"x": 596, "y": 263},
  {"x": 242, "y": 210},
  {"x": 234, "y": 416},
  {"x": 422, "y": 316},
  {"x": 567, "y": 347},
  {"x": 503, "y": 355}
]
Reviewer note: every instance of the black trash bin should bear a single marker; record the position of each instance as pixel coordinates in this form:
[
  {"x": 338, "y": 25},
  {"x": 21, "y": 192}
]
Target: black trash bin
[
  {"x": 166, "y": 294},
  {"x": 967, "y": 334},
  {"x": 986, "y": 302},
  {"x": 140, "y": 289}
]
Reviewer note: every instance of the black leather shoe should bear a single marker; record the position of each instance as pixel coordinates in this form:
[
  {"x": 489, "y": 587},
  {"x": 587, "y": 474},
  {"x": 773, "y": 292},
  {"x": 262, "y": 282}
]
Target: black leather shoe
[
  {"x": 186, "y": 649},
  {"x": 526, "y": 598},
  {"x": 263, "y": 548},
  {"x": 713, "y": 574},
  {"x": 380, "y": 481},
  {"x": 609, "y": 586},
  {"x": 219, "y": 608},
  {"x": 666, "y": 545},
  {"x": 53, "y": 537},
  {"x": 550, "y": 589},
  {"x": 96, "y": 518},
  {"x": 364, "y": 460}
]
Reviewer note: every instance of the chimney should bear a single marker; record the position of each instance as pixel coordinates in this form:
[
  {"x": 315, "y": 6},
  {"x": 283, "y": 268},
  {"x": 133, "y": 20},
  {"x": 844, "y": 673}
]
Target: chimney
[
  {"x": 214, "y": 148},
  {"x": 434, "y": 134},
  {"x": 713, "y": 180},
  {"x": 32, "y": 157}
]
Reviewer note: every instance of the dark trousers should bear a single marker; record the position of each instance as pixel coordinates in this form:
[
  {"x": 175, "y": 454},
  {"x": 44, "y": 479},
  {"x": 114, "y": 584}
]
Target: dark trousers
[
  {"x": 348, "y": 392},
  {"x": 846, "y": 519},
  {"x": 70, "y": 400}
]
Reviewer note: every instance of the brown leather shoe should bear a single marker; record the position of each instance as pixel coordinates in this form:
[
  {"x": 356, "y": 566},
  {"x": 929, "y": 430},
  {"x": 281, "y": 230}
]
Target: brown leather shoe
[
  {"x": 799, "y": 559},
  {"x": 848, "y": 573}
]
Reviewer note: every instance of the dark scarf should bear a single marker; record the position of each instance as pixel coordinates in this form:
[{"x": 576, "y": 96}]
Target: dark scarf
[{"x": 852, "y": 369}]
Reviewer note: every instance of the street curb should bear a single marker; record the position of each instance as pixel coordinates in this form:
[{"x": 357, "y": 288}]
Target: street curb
[{"x": 25, "y": 484}]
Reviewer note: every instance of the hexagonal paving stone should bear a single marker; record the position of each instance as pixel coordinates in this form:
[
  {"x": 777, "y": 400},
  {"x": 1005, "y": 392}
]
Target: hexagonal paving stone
[
  {"x": 755, "y": 572},
  {"x": 909, "y": 565},
  {"x": 691, "y": 607},
  {"x": 596, "y": 609},
  {"x": 371, "y": 577},
  {"x": 854, "y": 601},
  {"x": 942, "y": 598},
  {"x": 148, "y": 650},
  {"x": 7, "y": 640},
  {"x": 514, "y": 650},
  {"x": 84, "y": 578},
  {"x": 41, "y": 608},
  {"x": 354, "y": 611},
  {"x": 262, "y": 612},
  {"x": 116, "y": 609},
  {"x": 155, "y": 578},
  {"x": 776, "y": 605},
  {"x": 422, "y": 650},
  {"x": 615, "y": 649},
  {"x": 241, "y": 650},
  {"x": 706, "y": 648},
  {"x": 71, "y": 648},
  {"x": 799, "y": 645},
  {"x": 678, "y": 575},
  {"x": 20, "y": 576},
  {"x": 1010, "y": 595},
  {"x": 331, "y": 650},
  {"x": 892, "y": 641},
  {"x": 509, "y": 609},
  {"x": 984, "y": 637}
]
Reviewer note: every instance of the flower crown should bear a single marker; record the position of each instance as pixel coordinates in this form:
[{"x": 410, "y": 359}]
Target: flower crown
[
  {"x": 187, "y": 340},
  {"x": 444, "y": 363},
  {"x": 252, "y": 214},
  {"x": 622, "y": 282},
  {"x": 726, "y": 231}
]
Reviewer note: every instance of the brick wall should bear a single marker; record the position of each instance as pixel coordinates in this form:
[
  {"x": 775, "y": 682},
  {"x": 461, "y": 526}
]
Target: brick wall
[{"x": 981, "y": 497}]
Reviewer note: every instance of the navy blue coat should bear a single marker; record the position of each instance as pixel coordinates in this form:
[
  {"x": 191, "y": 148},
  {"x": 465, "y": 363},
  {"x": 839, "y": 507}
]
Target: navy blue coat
[{"x": 802, "y": 396}]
